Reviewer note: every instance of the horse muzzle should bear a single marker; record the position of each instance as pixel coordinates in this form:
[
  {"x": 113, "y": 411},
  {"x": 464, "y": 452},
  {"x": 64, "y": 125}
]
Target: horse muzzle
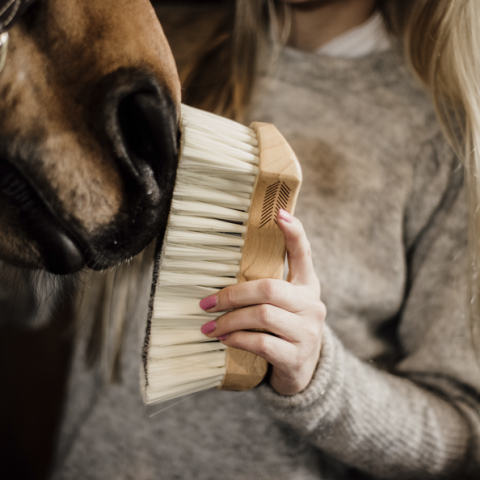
[
  {"x": 135, "y": 120},
  {"x": 140, "y": 122}
]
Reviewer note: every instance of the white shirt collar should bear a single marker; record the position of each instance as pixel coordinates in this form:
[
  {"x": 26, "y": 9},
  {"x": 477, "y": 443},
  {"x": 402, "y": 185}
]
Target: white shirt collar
[{"x": 370, "y": 37}]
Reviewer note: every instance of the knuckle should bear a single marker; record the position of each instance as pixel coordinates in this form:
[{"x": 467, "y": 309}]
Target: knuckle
[
  {"x": 268, "y": 289},
  {"x": 303, "y": 252},
  {"x": 300, "y": 225},
  {"x": 229, "y": 296},
  {"x": 311, "y": 330},
  {"x": 294, "y": 365},
  {"x": 311, "y": 337},
  {"x": 321, "y": 311},
  {"x": 263, "y": 345},
  {"x": 265, "y": 314}
]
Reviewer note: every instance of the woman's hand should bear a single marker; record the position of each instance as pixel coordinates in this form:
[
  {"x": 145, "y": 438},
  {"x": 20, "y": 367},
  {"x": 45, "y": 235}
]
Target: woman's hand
[{"x": 291, "y": 311}]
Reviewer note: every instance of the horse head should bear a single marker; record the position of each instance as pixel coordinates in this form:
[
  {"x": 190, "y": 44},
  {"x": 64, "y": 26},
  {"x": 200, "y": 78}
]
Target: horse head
[{"x": 89, "y": 102}]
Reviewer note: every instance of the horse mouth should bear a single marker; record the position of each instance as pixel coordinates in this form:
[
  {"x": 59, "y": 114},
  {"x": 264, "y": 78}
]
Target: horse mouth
[
  {"x": 60, "y": 250},
  {"x": 65, "y": 247}
]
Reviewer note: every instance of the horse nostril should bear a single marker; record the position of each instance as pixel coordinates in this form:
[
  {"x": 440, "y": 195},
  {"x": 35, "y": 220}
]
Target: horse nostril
[
  {"x": 137, "y": 117},
  {"x": 140, "y": 120},
  {"x": 148, "y": 131}
]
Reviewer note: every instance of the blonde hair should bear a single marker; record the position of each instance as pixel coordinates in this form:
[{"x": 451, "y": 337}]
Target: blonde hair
[
  {"x": 440, "y": 41},
  {"x": 227, "y": 64},
  {"x": 441, "y": 44}
]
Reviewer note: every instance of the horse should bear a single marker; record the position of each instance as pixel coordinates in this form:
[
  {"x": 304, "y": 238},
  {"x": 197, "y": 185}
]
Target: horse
[{"x": 89, "y": 106}]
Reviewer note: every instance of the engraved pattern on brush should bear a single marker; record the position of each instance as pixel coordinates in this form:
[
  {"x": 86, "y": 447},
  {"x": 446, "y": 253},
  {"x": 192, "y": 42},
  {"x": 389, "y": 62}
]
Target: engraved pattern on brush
[{"x": 276, "y": 198}]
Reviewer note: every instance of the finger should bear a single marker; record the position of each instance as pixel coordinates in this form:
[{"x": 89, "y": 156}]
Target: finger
[
  {"x": 274, "y": 292},
  {"x": 299, "y": 256},
  {"x": 265, "y": 317},
  {"x": 274, "y": 350}
]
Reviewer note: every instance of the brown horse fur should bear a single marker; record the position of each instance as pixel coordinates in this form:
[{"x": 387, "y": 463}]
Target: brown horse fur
[{"x": 70, "y": 64}]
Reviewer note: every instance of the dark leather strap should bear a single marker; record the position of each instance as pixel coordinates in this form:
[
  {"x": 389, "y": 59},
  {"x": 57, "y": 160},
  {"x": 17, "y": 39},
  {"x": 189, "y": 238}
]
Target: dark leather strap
[{"x": 10, "y": 11}]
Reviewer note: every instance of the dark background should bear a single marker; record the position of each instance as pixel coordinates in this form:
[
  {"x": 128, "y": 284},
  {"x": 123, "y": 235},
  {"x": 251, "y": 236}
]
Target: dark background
[
  {"x": 33, "y": 368},
  {"x": 33, "y": 372}
]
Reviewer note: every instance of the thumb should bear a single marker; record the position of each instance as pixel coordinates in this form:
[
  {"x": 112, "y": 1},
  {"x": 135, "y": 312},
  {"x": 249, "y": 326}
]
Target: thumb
[{"x": 298, "y": 250}]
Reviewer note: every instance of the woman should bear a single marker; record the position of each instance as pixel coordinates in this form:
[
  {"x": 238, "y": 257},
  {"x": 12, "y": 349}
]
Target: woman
[{"x": 388, "y": 386}]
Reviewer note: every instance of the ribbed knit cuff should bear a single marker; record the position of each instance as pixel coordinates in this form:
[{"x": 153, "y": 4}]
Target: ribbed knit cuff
[{"x": 322, "y": 392}]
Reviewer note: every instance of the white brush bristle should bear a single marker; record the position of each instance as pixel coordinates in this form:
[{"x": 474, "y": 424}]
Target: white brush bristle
[{"x": 201, "y": 252}]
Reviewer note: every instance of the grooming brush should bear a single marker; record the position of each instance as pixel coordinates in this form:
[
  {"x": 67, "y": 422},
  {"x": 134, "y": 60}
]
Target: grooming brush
[{"x": 231, "y": 182}]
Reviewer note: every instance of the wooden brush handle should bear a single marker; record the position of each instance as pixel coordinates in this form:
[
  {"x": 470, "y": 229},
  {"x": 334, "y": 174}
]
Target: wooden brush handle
[{"x": 263, "y": 255}]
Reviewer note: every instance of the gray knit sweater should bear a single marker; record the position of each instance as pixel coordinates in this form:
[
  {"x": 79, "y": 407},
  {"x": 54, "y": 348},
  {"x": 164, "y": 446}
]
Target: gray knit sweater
[{"x": 396, "y": 391}]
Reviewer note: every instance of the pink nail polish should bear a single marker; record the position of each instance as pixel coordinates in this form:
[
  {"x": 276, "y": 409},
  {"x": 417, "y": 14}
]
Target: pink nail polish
[
  {"x": 222, "y": 338},
  {"x": 285, "y": 216},
  {"x": 208, "y": 327},
  {"x": 209, "y": 302}
]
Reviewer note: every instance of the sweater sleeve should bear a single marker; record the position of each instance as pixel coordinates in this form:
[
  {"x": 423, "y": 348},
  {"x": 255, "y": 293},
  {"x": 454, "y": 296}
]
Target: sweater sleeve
[{"x": 421, "y": 419}]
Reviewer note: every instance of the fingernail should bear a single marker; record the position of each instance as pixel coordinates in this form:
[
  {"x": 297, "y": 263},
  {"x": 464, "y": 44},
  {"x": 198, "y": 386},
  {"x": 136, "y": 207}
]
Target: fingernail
[
  {"x": 208, "y": 327},
  {"x": 222, "y": 338},
  {"x": 208, "y": 303},
  {"x": 285, "y": 216}
]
